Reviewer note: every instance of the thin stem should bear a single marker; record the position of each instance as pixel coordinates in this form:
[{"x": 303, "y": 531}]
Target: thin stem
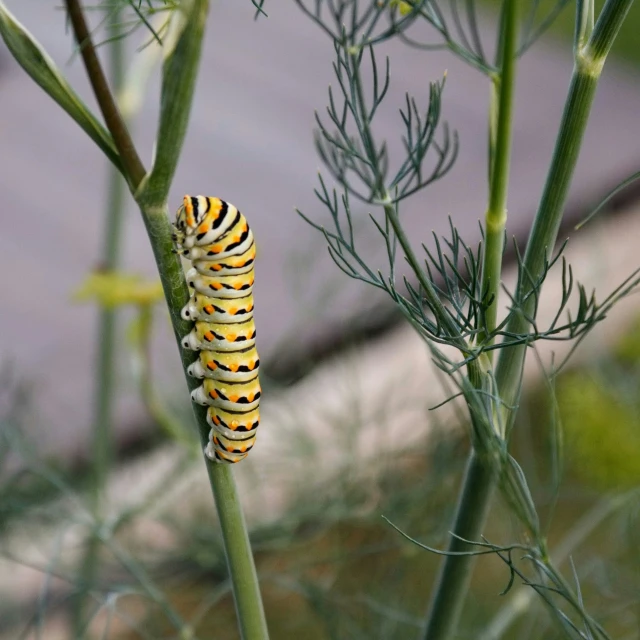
[
  {"x": 455, "y": 572},
  {"x": 246, "y": 592},
  {"x": 182, "y": 67},
  {"x": 522, "y": 599},
  {"x": 131, "y": 162},
  {"x": 482, "y": 471},
  {"x": 443, "y": 317},
  {"x": 582, "y": 89},
  {"x": 171, "y": 427},
  {"x": 253, "y": 624},
  {"x": 496, "y": 216},
  {"x": 104, "y": 398}
]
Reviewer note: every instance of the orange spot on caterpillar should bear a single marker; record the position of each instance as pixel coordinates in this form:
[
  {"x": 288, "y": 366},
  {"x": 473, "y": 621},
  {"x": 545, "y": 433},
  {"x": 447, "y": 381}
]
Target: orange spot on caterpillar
[
  {"x": 211, "y": 365},
  {"x": 232, "y": 311},
  {"x": 215, "y": 249},
  {"x": 231, "y": 337},
  {"x": 216, "y": 420},
  {"x": 213, "y": 393},
  {"x": 215, "y": 267},
  {"x": 203, "y": 228},
  {"x": 250, "y": 397},
  {"x": 233, "y": 367},
  {"x": 233, "y": 425},
  {"x": 215, "y": 285},
  {"x": 209, "y": 309},
  {"x": 238, "y": 286},
  {"x": 234, "y": 398},
  {"x": 208, "y": 336}
]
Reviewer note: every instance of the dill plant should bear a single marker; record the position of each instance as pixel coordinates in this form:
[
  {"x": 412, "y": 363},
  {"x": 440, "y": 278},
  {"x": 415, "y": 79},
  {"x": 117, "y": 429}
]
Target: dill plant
[
  {"x": 452, "y": 299},
  {"x": 452, "y": 296},
  {"x": 180, "y": 34}
]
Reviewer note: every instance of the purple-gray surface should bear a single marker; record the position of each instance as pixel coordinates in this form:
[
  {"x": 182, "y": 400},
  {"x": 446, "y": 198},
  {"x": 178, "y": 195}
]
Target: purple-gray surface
[{"x": 250, "y": 141}]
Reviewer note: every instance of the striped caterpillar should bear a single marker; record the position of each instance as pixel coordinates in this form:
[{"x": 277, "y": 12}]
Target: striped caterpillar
[{"x": 216, "y": 238}]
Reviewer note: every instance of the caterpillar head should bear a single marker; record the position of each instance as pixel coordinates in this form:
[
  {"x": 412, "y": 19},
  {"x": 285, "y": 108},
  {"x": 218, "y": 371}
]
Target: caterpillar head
[{"x": 191, "y": 213}]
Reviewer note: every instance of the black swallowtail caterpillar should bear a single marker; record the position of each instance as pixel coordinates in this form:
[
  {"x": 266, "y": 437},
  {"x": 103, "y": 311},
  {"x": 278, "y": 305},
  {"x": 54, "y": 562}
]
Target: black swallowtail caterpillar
[{"x": 217, "y": 239}]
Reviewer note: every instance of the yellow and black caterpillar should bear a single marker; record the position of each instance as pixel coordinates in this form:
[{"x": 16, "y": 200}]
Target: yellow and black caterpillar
[{"x": 216, "y": 238}]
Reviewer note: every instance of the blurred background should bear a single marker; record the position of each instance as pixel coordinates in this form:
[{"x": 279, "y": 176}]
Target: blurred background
[{"x": 344, "y": 377}]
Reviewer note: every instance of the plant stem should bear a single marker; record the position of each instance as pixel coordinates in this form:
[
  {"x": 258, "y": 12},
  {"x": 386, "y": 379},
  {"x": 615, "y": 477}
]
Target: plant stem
[
  {"x": 455, "y": 572},
  {"x": 131, "y": 162},
  {"x": 246, "y": 591},
  {"x": 482, "y": 469},
  {"x": 582, "y": 89},
  {"x": 253, "y": 624},
  {"x": 523, "y": 598},
  {"x": 496, "y": 216},
  {"x": 429, "y": 291},
  {"x": 182, "y": 65},
  {"x": 104, "y": 399}
]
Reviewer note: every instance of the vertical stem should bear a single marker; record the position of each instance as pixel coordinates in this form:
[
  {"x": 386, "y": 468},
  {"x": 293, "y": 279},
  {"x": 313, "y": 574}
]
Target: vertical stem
[
  {"x": 107, "y": 326},
  {"x": 482, "y": 470},
  {"x": 131, "y": 162},
  {"x": 179, "y": 76},
  {"x": 105, "y": 365},
  {"x": 589, "y": 62},
  {"x": 496, "y": 216},
  {"x": 455, "y": 572},
  {"x": 246, "y": 591}
]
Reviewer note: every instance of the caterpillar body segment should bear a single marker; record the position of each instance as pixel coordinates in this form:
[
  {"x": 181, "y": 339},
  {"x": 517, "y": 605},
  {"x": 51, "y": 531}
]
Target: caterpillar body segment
[
  {"x": 234, "y": 366},
  {"x": 218, "y": 241},
  {"x": 232, "y": 424},
  {"x": 222, "y": 310},
  {"x": 221, "y": 286},
  {"x": 220, "y": 251},
  {"x": 233, "y": 396},
  {"x": 234, "y": 264},
  {"x": 216, "y": 454},
  {"x": 233, "y": 447},
  {"x": 202, "y": 220},
  {"x": 214, "y": 336}
]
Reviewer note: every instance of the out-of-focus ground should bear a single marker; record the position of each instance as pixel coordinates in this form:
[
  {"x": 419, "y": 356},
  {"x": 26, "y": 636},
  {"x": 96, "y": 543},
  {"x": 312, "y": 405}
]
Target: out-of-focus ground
[{"x": 250, "y": 141}]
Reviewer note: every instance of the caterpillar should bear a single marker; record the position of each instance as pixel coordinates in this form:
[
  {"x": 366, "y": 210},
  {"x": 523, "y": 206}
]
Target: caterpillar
[{"x": 216, "y": 238}]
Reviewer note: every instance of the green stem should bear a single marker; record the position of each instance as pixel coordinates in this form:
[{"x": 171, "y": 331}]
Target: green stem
[
  {"x": 253, "y": 624},
  {"x": 179, "y": 76},
  {"x": 429, "y": 292},
  {"x": 246, "y": 591},
  {"x": 102, "y": 445},
  {"x": 482, "y": 470},
  {"x": 107, "y": 326},
  {"x": 167, "y": 423},
  {"x": 385, "y": 199},
  {"x": 496, "y": 216},
  {"x": 131, "y": 162},
  {"x": 455, "y": 572},
  {"x": 582, "y": 89}
]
